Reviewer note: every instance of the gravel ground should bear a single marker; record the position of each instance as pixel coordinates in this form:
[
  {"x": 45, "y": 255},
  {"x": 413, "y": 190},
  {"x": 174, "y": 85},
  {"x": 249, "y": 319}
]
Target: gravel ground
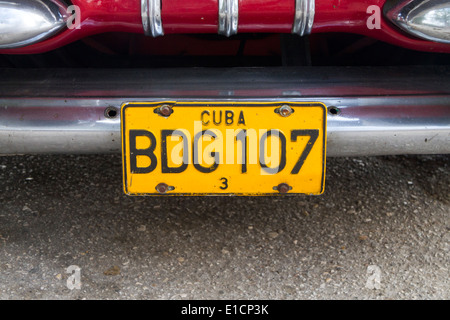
[{"x": 380, "y": 231}]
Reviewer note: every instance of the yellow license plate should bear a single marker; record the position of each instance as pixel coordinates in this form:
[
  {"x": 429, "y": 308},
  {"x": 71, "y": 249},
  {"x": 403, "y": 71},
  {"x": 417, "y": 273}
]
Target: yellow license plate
[{"x": 209, "y": 148}]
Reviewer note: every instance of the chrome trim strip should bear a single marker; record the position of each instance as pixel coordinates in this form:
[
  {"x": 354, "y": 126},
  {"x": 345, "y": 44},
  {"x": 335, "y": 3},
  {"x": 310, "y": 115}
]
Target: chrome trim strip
[
  {"x": 228, "y": 17},
  {"x": 382, "y": 111},
  {"x": 151, "y": 18},
  {"x": 304, "y": 17},
  {"x": 27, "y": 22}
]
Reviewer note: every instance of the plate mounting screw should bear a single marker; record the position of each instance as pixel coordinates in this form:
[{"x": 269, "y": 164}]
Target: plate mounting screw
[
  {"x": 285, "y": 110},
  {"x": 162, "y": 187},
  {"x": 283, "y": 188},
  {"x": 165, "y": 110}
]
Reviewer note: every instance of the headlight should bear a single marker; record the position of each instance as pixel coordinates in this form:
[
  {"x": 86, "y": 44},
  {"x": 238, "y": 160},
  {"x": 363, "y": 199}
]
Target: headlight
[
  {"x": 426, "y": 19},
  {"x": 24, "y": 22}
]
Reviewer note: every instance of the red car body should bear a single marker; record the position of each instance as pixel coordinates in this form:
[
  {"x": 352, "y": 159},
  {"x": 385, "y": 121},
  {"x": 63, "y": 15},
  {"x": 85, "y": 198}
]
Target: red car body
[{"x": 255, "y": 16}]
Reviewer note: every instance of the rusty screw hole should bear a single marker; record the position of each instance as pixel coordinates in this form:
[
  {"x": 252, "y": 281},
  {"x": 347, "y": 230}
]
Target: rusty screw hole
[
  {"x": 111, "y": 112},
  {"x": 334, "y": 110}
]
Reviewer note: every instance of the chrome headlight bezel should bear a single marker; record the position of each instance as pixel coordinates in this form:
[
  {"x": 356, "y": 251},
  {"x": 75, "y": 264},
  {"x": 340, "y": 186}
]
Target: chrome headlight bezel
[
  {"x": 425, "y": 19},
  {"x": 27, "y": 22}
]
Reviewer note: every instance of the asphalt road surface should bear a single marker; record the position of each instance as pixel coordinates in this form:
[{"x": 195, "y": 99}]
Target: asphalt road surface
[{"x": 380, "y": 231}]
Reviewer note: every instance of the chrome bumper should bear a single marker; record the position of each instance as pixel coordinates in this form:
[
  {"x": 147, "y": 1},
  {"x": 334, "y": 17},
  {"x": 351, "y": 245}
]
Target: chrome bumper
[{"x": 378, "y": 111}]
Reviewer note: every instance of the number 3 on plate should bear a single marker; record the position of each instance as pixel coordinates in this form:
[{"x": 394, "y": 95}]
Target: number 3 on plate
[{"x": 224, "y": 185}]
